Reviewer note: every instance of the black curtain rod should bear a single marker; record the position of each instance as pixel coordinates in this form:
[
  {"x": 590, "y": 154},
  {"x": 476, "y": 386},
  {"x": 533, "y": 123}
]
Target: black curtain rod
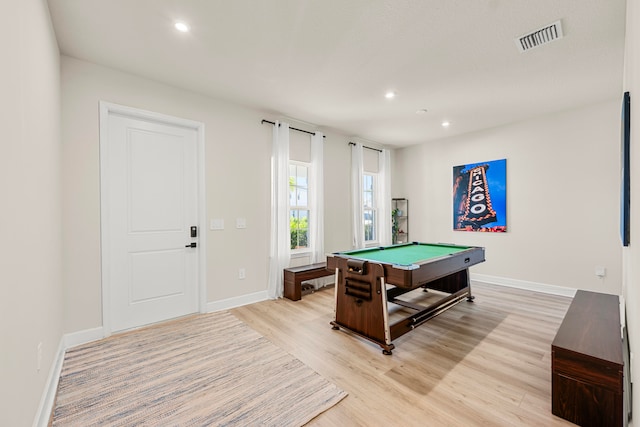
[
  {"x": 299, "y": 130},
  {"x": 364, "y": 146}
]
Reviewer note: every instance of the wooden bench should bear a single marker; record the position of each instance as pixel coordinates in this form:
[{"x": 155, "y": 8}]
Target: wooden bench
[
  {"x": 587, "y": 366},
  {"x": 294, "y": 276}
]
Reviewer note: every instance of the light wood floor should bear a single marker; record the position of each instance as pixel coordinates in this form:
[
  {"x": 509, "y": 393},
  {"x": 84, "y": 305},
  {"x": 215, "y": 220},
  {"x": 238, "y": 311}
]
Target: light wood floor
[{"x": 482, "y": 363}]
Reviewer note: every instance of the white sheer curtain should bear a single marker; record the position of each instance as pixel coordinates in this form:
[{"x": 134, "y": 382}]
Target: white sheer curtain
[
  {"x": 383, "y": 197},
  {"x": 280, "y": 250},
  {"x": 316, "y": 198},
  {"x": 357, "y": 169}
]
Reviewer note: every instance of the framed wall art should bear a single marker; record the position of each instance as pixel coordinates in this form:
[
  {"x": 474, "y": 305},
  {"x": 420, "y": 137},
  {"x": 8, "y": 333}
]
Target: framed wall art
[
  {"x": 480, "y": 196},
  {"x": 625, "y": 190}
]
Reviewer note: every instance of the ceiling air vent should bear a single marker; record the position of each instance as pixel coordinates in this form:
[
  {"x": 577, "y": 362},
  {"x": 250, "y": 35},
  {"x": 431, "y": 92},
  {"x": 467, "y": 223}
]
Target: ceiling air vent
[{"x": 540, "y": 37}]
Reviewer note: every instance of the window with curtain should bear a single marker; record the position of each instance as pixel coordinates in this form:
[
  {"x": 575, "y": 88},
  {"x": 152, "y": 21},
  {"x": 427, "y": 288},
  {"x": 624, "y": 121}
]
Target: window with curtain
[
  {"x": 297, "y": 204},
  {"x": 306, "y": 216}
]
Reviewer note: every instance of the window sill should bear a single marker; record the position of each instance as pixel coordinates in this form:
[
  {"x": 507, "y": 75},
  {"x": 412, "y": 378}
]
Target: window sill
[{"x": 299, "y": 253}]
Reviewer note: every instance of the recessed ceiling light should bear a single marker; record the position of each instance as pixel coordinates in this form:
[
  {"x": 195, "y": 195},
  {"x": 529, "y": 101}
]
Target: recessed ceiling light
[
  {"x": 390, "y": 95},
  {"x": 446, "y": 124},
  {"x": 182, "y": 27}
]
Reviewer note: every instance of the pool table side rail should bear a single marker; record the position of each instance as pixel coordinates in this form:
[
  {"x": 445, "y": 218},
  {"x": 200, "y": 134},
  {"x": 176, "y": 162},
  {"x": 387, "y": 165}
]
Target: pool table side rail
[
  {"x": 412, "y": 278},
  {"x": 438, "y": 268}
]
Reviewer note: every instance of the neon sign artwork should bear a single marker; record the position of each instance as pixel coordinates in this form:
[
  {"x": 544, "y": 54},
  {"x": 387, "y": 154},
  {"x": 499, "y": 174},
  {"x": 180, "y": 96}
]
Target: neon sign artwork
[{"x": 479, "y": 197}]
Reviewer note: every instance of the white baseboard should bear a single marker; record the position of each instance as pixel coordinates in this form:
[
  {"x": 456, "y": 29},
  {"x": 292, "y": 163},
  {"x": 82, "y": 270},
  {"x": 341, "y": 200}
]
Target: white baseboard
[
  {"x": 51, "y": 386},
  {"x": 229, "y": 303},
  {"x": 49, "y": 394},
  {"x": 523, "y": 284},
  {"x": 83, "y": 337}
]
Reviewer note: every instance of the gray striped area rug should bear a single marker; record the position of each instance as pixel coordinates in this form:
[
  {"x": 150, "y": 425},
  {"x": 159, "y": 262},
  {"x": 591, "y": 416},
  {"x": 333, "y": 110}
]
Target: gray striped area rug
[{"x": 203, "y": 370}]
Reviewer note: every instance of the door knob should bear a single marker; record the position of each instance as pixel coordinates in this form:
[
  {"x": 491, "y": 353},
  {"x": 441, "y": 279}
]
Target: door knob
[{"x": 191, "y": 245}]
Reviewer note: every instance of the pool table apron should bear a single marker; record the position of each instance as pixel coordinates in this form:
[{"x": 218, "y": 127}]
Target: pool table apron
[{"x": 361, "y": 306}]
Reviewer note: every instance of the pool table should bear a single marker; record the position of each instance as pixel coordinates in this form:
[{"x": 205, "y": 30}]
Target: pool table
[{"x": 368, "y": 280}]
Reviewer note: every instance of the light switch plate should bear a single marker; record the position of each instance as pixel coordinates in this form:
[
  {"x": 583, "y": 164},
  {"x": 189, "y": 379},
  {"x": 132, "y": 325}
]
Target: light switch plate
[{"x": 217, "y": 224}]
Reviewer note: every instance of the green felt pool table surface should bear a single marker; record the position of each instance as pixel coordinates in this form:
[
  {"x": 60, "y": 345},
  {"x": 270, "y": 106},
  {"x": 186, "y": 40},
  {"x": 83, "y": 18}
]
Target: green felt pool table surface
[{"x": 405, "y": 254}]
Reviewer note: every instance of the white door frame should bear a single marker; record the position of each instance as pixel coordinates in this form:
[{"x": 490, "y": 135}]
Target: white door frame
[{"x": 106, "y": 109}]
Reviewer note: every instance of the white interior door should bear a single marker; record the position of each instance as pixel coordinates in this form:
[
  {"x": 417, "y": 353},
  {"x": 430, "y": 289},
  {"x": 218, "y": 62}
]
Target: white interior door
[{"x": 151, "y": 186}]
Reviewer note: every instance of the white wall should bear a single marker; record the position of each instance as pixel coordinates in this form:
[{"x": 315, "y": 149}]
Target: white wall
[
  {"x": 337, "y": 194},
  {"x": 30, "y": 272},
  {"x": 562, "y": 197},
  {"x": 238, "y": 150},
  {"x": 631, "y": 254}
]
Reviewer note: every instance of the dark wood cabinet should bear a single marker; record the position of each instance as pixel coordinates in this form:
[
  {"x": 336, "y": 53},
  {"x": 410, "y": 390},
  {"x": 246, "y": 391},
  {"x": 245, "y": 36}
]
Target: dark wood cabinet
[{"x": 587, "y": 364}]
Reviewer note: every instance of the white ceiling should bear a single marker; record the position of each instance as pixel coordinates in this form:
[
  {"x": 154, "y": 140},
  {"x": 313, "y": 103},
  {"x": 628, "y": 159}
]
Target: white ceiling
[{"x": 329, "y": 62}]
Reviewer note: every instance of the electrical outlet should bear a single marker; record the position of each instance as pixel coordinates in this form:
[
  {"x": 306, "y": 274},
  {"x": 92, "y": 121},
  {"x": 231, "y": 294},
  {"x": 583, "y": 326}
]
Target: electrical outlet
[
  {"x": 39, "y": 355},
  {"x": 601, "y": 271},
  {"x": 241, "y": 274}
]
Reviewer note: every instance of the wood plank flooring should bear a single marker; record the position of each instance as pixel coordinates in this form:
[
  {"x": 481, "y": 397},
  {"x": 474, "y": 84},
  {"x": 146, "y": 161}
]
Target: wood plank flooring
[{"x": 483, "y": 363}]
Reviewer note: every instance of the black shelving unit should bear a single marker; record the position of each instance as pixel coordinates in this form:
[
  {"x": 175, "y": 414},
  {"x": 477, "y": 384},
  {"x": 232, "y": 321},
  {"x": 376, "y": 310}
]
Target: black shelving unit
[{"x": 400, "y": 220}]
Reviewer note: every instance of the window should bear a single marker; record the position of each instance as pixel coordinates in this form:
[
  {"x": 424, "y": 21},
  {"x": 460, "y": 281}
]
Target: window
[
  {"x": 299, "y": 205},
  {"x": 369, "y": 208}
]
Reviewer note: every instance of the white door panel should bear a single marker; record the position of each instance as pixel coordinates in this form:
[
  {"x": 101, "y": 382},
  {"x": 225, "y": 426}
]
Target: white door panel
[
  {"x": 157, "y": 274},
  {"x": 156, "y": 174},
  {"x": 152, "y": 203}
]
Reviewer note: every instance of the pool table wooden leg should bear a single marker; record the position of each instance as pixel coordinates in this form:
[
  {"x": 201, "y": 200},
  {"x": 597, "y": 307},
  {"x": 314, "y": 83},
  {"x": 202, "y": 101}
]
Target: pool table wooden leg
[{"x": 470, "y": 297}]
